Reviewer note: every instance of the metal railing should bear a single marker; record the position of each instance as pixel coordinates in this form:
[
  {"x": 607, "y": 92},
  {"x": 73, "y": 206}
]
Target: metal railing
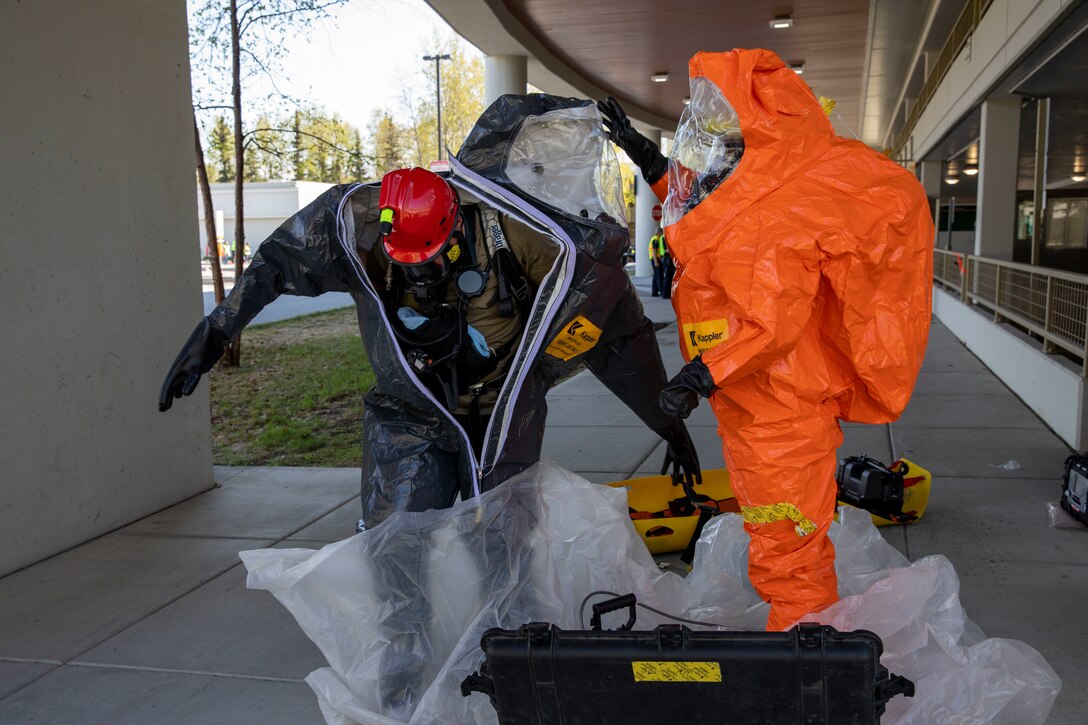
[
  {"x": 965, "y": 26},
  {"x": 1049, "y": 303}
]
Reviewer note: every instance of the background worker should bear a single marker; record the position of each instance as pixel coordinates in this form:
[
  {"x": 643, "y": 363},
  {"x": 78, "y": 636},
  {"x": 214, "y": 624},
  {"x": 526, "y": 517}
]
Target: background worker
[
  {"x": 803, "y": 296},
  {"x": 656, "y": 247},
  {"x": 668, "y": 267}
]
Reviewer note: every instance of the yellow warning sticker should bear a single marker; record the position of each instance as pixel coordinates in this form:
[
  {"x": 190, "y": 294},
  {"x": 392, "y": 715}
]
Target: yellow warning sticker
[
  {"x": 677, "y": 671},
  {"x": 702, "y": 336},
  {"x": 577, "y": 337}
]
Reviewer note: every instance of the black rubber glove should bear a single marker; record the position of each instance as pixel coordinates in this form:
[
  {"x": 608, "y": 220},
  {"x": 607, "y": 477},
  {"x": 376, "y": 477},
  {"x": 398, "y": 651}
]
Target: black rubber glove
[
  {"x": 681, "y": 395},
  {"x": 681, "y": 457},
  {"x": 644, "y": 152},
  {"x": 198, "y": 355}
]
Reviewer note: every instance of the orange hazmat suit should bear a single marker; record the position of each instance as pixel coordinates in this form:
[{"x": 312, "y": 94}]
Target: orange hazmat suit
[{"x": 804, "y": 279}]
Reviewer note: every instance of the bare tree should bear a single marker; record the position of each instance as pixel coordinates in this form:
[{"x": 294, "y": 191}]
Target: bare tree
[
  {"x": 209, "y": 214},
  {"x": 255, "y": 32}
]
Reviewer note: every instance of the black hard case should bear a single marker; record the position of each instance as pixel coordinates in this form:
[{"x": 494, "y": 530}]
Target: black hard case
[
  {"x": 812, "y": 674},
  {"x": 1075, "y": 487}
]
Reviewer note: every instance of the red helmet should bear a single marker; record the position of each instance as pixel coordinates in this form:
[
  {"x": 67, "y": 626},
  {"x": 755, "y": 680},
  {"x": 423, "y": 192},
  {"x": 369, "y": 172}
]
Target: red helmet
[{"x": 418, "y": 215}]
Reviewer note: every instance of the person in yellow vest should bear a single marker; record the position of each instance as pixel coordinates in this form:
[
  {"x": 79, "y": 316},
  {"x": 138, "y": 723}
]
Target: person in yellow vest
[
  {"x": 668, "y": 269},
  {"x": 657, "y": 249}
]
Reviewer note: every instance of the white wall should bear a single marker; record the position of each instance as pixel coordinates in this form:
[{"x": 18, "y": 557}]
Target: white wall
[
  {"x": 99, "y": 285},
  {"x": 1048, "y": 384},
  {"x": 962, "y": 242},
  {"x": 266, "y": 205}
]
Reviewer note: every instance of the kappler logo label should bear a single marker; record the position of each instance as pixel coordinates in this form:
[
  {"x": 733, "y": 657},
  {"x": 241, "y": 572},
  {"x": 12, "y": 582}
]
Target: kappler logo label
[
  {"x": 697, "y": 339},
  {"x": 701, "y": 336},
  {"x": 574, "y": 339}
]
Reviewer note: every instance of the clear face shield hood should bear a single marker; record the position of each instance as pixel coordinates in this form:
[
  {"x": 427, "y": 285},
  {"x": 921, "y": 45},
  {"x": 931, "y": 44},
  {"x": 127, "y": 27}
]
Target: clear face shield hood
[
  {"x": 563, "y": 158},
  {"x": 707, "y": 148}
]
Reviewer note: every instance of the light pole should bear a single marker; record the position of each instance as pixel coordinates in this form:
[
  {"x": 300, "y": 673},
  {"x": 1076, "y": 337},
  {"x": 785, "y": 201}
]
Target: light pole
[{"x": 438, "y": 94}]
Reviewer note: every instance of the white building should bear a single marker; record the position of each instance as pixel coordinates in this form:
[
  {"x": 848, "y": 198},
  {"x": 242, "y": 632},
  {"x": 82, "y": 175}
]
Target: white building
[{"x": 266, "y": 205}]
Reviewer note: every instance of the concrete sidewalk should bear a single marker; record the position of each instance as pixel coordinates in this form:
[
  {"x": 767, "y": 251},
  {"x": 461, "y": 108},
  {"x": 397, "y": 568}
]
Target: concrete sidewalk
[
  {"x": 282, "y": 308},
  {"x": 153, "y": 623}
]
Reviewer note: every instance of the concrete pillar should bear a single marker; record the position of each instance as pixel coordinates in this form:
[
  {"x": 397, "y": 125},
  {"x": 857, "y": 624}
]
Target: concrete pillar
[
  {"x": 998, "y": 151},
  {"x": 100, "y": 286},
  {"x": 645, "y": 226},
  {"x": 1042, "y": 153},
  {"x": 931, "y": 178},
  {"x": 504, "y": 74},
  {"x": 931, "y": 182}
]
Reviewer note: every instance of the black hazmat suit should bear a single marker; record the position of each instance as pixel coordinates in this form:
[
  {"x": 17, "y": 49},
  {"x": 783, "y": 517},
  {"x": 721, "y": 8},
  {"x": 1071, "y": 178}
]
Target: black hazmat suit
[{"x": 542, "y": 161}]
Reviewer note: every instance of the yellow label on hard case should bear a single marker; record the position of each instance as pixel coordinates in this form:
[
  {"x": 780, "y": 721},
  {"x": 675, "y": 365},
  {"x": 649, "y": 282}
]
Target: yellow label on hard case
[
  {"x": 677, "y": 671},
  {"x": 577, "y": 337},
  {"x": 702, "y": 336}
]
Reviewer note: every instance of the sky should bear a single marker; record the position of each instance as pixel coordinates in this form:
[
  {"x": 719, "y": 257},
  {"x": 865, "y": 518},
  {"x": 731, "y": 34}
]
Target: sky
[{"x": 357, "y": 63}]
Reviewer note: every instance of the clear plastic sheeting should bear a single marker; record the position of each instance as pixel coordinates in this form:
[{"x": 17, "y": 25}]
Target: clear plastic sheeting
[
  {"x": 707, "y": 148},
  {"x": 563, "y": 158},
  {"x": 398, "y": 611},
  {"x": 1060, "y": 518}
]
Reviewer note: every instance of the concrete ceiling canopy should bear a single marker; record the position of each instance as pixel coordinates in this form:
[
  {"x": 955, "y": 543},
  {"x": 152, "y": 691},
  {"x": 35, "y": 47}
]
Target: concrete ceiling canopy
[{"x": 855, "y": 51}]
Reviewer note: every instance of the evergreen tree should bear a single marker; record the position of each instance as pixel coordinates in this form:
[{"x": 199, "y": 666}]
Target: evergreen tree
[
  {"x": 296, "y": 155},
  {"x": 358, "y": 167},
  {"x": 221, "y": 151},
  {"x": 389, "y": 143}
]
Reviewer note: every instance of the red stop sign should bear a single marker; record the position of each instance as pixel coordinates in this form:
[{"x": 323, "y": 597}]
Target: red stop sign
[{"x": 656, "y": 212}]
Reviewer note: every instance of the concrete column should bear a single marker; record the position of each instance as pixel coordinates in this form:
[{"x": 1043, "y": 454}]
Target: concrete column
[
  {"x": 998, "y": 151},
  {"x": 931, "y": 182},
  {"x": 931, "y": 178},
  {"x": 1042, "y": 152},
  {"x": 504, "y": 74},
  {"x": 100, "y": 286},
  {"x": 645, "y": 226}
]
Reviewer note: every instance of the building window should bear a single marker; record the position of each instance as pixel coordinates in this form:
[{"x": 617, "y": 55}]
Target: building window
[
  {"x": 1025, "y": 220},
  {"x": 1067, "y": 224}
]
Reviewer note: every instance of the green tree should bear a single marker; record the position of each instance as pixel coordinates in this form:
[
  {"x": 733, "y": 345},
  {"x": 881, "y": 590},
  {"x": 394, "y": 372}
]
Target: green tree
[
  {"x": 462, "y": 100},
  {"x": 360, "y": 169},
  {"x": 220, "y": 151},
  {"x": 296, "y": 148},
  {"x": 266, "y": 152},
  {"x": 389, "y": 142},
  {"x": 324, "y": 148}
]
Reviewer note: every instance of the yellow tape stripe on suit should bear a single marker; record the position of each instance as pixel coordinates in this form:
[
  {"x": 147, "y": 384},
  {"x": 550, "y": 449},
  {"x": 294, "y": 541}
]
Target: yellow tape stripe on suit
[{"x": 778, "y": 512}]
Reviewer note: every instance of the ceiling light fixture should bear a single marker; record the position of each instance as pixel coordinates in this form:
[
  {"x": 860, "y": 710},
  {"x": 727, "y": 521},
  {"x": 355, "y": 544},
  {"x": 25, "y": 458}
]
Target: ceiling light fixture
[
  {"x": 971, "y": 171},
  {"x": 781, "y": 22},
  {"x": 798, "y": 67},
  {"x": 1079, "y": 177},
  {"x": 687, "y": 100},
  {"x": 953, "y": 180},
  {"x": 659, "y": 77}
]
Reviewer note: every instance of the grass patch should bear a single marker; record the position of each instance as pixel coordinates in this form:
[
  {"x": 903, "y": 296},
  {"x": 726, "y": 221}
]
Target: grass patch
[{"x": 297, "y": 399}]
